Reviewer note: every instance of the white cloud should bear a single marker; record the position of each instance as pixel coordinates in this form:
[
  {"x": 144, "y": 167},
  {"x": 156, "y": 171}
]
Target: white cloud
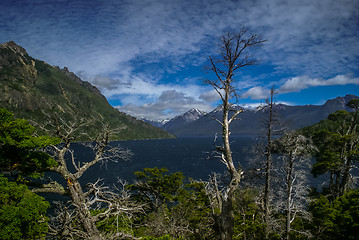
[
  {"x": 296, "y": 84},
  {"x": 256, "y": 93},
  {"x": 105, "y": 82},
  {"x": 127, "y": 47},
  {"x": 210, "y": 96},
  {"x": 168, "y": 105},
  {"x": 308, "y": 37},
  {"x": 303, "y": 37},
  {"x": 144, "y": 85}
]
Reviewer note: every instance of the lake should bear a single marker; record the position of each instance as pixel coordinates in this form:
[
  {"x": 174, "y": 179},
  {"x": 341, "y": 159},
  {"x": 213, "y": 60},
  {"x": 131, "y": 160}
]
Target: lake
[{"x": 191, "y": 155}]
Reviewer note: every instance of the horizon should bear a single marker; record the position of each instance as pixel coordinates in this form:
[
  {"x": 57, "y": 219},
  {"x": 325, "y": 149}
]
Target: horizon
[
  {"x": 245, "y": 106},
  {"x": 147, "y": 57}
]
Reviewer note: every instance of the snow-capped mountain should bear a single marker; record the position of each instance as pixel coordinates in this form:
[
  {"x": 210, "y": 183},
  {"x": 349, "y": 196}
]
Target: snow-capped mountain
[
  {"x": 182, "y": 120},
  {"x": 197, "y": 123},
  {"x": 158, "y": 123}
]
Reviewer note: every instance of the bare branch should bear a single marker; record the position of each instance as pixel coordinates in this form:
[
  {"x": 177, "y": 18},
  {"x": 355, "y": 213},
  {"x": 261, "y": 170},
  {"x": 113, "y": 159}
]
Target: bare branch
[
  {"x": 233, "y": 55},
  {"x": 215, "y": 119},
  {"x": 235, "y": 115}
]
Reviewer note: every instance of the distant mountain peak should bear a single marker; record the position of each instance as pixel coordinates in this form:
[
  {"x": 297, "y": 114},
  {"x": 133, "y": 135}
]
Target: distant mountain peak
[
  {"x": 340, "y": 101},
  {"x": 188, "y": 117},
  {"x": 194, "y": 112},
  {"x": 192, "y": 115},
  {"x": 251, "y": 120}
]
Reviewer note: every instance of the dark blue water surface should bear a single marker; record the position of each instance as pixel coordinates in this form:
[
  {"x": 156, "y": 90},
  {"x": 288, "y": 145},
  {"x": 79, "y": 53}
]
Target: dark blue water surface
[{"x": 192, "y": 156}]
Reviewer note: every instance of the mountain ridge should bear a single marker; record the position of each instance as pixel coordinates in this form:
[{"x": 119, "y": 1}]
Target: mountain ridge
[
  {"x": 32, "y": 89},
  {"x": 295, "y": 117}
]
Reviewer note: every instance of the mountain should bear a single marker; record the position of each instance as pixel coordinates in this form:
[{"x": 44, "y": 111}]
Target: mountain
[
  {"x": 156, "y": 123},
  {"x": 34, "y": 90},
  {"x": 179, "y": 122},
  {"x": 251, "y": 120}
]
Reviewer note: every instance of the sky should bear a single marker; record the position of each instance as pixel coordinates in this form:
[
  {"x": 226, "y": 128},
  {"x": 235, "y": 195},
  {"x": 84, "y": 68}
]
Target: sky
[{"x": 148, "y": 56}]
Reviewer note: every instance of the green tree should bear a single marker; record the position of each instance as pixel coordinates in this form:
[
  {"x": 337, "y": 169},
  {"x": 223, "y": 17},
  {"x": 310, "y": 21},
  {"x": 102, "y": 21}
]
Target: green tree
[
  {"x": 156, "y": 187},
  {"x": 248, "y": 220},
  {"x": 337, "y": 219},
  {"x": 194, "y": 206},
  {"x": 20, "y": 149},
  {"x": 337, "y": 140},
  {"x": 22, "y": 212},
  {"x": 176, "y": 209}
]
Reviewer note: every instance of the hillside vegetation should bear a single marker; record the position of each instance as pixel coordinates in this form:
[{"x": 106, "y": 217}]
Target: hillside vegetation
[{"x": 34, "y": 90}]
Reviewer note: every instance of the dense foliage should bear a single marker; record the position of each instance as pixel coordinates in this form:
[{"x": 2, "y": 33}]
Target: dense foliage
[
  {"x": 337, "y": 140},
  {"x": 176, "y": 206},
  {"x": 336, "y": 219},
  {"x": 20, "y": 149},
  {"x": 22, "y": 213}
]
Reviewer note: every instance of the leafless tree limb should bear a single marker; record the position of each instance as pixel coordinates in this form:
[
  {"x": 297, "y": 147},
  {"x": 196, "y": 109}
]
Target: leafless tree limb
[
  {"x": 233, "y": 55},
  {"x": 77, "y": 221}
]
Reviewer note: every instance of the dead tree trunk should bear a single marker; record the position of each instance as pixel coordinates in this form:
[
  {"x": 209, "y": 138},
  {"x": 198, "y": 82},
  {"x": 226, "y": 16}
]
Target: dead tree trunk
[
  {"x": 77, "y": 195},
  {"x": 233, "y": 56},
  {"x": 289, "y": 183},
  {"x": 84, "y": 214},
  {"x": 349, "y": 147},
  {"x": 85, "y": 222},
  {"x": 295, "y": 150},
  {"x": 268, "y": 167}
]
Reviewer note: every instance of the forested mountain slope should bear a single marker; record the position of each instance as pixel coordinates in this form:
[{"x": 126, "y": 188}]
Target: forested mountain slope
[{"x": 33, "y": 89}]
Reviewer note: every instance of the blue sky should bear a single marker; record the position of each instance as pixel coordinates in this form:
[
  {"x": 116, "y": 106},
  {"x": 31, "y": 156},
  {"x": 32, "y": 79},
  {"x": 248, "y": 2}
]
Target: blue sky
[{"x": 147, "y": 56}]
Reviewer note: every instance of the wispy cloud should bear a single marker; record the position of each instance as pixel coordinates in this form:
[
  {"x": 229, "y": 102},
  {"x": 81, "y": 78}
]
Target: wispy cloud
[
  {"x": 256, "y": 93},
  {"x": 145, "y": 85},
  {"x": 142, "y": 96},
  {"x": 168, "y": 105},
  {"x": 308, "y": 37},
  {"x": 99, "y": 36},
  {"x": 297, "y": 84},
  {"x": 127, "y": 47}
]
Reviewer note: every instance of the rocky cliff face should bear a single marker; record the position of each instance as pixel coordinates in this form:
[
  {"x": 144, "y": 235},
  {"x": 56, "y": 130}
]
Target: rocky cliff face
[
  {"x": 18, "y": 75},
  {"x": 33, "y": 89}
]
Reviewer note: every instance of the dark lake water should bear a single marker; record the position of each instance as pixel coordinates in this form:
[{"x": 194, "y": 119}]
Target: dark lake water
[{"x": 192, "y": 156}]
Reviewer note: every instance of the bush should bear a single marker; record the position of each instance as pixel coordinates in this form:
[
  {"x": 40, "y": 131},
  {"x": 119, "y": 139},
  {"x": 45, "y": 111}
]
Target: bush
[{"x": 22, "y": 212}]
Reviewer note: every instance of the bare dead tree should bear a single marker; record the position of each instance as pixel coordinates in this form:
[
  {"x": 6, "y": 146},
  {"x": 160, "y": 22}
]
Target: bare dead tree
[
  {"x": 268, "y": 153},
  {"x": 78, "y": 220},
  {"x": 261, "y": 174},
  {"x": 271, "y": 124},
  {"x": 108, "y": 203},
  {"x": 233, "y": 55},
  {"x": 296, "y": 152}
]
